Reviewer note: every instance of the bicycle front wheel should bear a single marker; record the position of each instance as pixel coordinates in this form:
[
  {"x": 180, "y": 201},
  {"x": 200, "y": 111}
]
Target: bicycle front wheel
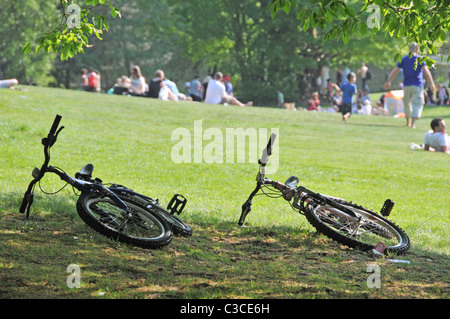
[
  {"x": 138, "y": 226},
  {"x": 179, "y": 227},
  {"x": 363, "y": 232}
]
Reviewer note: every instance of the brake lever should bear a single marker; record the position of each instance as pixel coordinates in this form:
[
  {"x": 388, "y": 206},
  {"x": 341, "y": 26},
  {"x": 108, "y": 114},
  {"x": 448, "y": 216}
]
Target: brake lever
[
  {"x": 51, "y": 139},
  {"x": 56, "y": 134}
]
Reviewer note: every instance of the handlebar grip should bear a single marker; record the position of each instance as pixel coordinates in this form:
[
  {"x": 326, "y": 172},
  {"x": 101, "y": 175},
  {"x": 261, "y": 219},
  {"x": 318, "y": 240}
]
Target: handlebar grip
[
  {"x": 272, "y": 138},
  {"x": 55, "y": 124},
  {"x": 268, "y": 150}
]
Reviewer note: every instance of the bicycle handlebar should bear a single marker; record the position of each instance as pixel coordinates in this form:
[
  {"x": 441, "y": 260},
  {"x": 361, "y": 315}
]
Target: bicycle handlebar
[
  {"x": 47, "y": 142},
  {"x": 268, "y": 150},
  {"x": 55, "y": 124}
]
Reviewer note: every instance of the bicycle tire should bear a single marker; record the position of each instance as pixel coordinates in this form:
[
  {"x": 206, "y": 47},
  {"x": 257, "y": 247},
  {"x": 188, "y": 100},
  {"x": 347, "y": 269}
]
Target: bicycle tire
[
  {"x": 372, "y": 228},
  {"x": 179, "y": 227},
  {"x": 142, "y": 228}
]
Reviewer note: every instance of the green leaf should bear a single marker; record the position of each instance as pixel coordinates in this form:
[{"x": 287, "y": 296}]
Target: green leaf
[
  {"x": 349, "y": 10},
  {"x": 362, "y": 28},
  {"x": 345, "y": 37},
  {"x": 306, "y": 25},
  {"x": 329, "y": 16},
  {"x": 99, "y": 21},
  {"x": 64, "y": 53},
  {"x": 287, "y": 7},
  {"x": 113, "y": 12},
  {"x": 443, "y": 36},
  {"x": 26, "y": 48},
  {"x": 274, "y": 11}
]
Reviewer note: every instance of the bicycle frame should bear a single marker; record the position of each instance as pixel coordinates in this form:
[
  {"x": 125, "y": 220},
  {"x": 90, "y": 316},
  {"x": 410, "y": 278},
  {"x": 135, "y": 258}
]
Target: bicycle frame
[
  {"x": 83, "y": 181},
  {"x": 175, "y": 206},
  {"x": 80, "y": 184},
  {"x": 289, "y": 191}
]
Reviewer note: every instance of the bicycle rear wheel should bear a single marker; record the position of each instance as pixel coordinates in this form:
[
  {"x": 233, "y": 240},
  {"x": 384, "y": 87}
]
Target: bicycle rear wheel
[
  {"x": 362, "y": 232},
  {"x": 139, "y": 226}
]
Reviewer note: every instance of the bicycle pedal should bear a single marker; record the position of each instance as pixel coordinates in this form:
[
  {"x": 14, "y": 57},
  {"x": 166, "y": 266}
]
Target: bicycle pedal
[
  {"x": 387, "y": 208},
  {"x": 176, "y": 204}
]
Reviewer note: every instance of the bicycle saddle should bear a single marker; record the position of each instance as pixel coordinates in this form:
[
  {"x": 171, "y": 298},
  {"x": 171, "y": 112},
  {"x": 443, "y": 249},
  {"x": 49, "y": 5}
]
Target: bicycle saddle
[
  {"x": 292, "y": 181},
  {"x": 86, "y": 171}
]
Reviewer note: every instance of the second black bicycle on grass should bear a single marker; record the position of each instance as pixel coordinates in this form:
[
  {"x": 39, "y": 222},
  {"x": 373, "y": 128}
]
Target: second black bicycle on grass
[
  {"x": 114, "y": 211},
  {"x": 345, "y": 222}
]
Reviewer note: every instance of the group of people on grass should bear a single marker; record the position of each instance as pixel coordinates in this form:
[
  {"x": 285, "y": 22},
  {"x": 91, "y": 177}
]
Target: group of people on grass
[
  {"x": 342, "y": 100},
  {"x": 442, "y": 96},
  {"x": 218, "y": 90},
  {"x": 91, "y": 81},
  {"x": 413, "y": 98},
  {"x": 213, "y": 90}
]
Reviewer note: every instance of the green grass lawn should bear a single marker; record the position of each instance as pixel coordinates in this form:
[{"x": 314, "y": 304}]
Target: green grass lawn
[{"x": 129, "y": 141}]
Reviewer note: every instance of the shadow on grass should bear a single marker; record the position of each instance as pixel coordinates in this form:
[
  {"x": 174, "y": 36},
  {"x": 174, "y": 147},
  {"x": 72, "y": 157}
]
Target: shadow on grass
[{"x": 221, "y": 260}]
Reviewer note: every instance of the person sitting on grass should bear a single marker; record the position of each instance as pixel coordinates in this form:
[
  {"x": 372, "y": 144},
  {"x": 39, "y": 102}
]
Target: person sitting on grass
[
  {"x": 314, "y": 103},
  {"x": 379, "y": 109},
  {"x": 437, "y": 140},
  {"x": 137, "y": 87},
  {"x": 216, "y": 93}
]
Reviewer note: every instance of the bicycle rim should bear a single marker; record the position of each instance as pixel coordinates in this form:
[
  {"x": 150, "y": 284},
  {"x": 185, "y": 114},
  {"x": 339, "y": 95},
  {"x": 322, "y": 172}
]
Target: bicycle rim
[
  {"x": 137, "y": 223},
  {"x": 364, "y": 232}
]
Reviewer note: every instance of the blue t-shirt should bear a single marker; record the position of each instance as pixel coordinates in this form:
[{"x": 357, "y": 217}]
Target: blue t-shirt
[
  {"x": 348, "y": 90},
  {"x": 229, "y": 88},
  {"x": 194, "y": 89},
  {"x": 413, "y": 76}
]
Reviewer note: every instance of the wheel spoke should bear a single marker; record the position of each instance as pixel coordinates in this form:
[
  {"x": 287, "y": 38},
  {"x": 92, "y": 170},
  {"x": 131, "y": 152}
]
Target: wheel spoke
[{"x": 130, "y": 223}]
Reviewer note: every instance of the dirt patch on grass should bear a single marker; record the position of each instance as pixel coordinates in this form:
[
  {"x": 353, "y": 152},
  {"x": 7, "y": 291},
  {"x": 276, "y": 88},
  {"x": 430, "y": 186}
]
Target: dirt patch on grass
[{"x": 215, "y": 263}]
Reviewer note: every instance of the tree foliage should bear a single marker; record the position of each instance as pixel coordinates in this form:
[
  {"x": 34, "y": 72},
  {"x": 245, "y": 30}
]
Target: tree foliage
[
  {"x": 423, "y": 21},
  {"x": 261, "y": 50},
  {"x": 22, "y": 21},
  {"x": 77, "y": 23},
  {"x": 240, "y": 37}
]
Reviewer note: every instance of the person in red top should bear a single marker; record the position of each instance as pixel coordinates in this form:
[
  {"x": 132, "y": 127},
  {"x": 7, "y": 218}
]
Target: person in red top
[{"x": 314, "y": 103}]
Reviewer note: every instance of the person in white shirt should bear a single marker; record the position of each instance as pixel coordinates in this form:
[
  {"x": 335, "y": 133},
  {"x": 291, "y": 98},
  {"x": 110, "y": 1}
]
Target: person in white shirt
[
  {"x": 217, "y": 94},
  {"x": 437, "y": 140},
  {"x": 137, "y": 81}
]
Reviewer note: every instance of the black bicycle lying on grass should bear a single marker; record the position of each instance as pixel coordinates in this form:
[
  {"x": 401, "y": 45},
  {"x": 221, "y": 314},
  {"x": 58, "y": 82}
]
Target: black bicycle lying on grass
[
  {"x": 338, "y": 219},
  {"x": 114, "y": 211}
]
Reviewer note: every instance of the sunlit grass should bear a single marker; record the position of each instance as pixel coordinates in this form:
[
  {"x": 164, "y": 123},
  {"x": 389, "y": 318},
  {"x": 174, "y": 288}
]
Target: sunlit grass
[{"x": 129, "y": 142}]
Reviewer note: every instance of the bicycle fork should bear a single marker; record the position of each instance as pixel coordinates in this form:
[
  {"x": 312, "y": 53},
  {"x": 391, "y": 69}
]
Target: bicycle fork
[{"x": 247, "y": 206}]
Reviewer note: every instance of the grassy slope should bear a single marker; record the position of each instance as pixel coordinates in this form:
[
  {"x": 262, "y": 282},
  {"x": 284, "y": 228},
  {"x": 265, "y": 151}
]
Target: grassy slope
[{"x": 129, "y": 142}]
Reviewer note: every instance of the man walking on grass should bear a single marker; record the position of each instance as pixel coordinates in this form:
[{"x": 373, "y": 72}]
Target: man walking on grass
[{"x": 413, "y": 84}]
